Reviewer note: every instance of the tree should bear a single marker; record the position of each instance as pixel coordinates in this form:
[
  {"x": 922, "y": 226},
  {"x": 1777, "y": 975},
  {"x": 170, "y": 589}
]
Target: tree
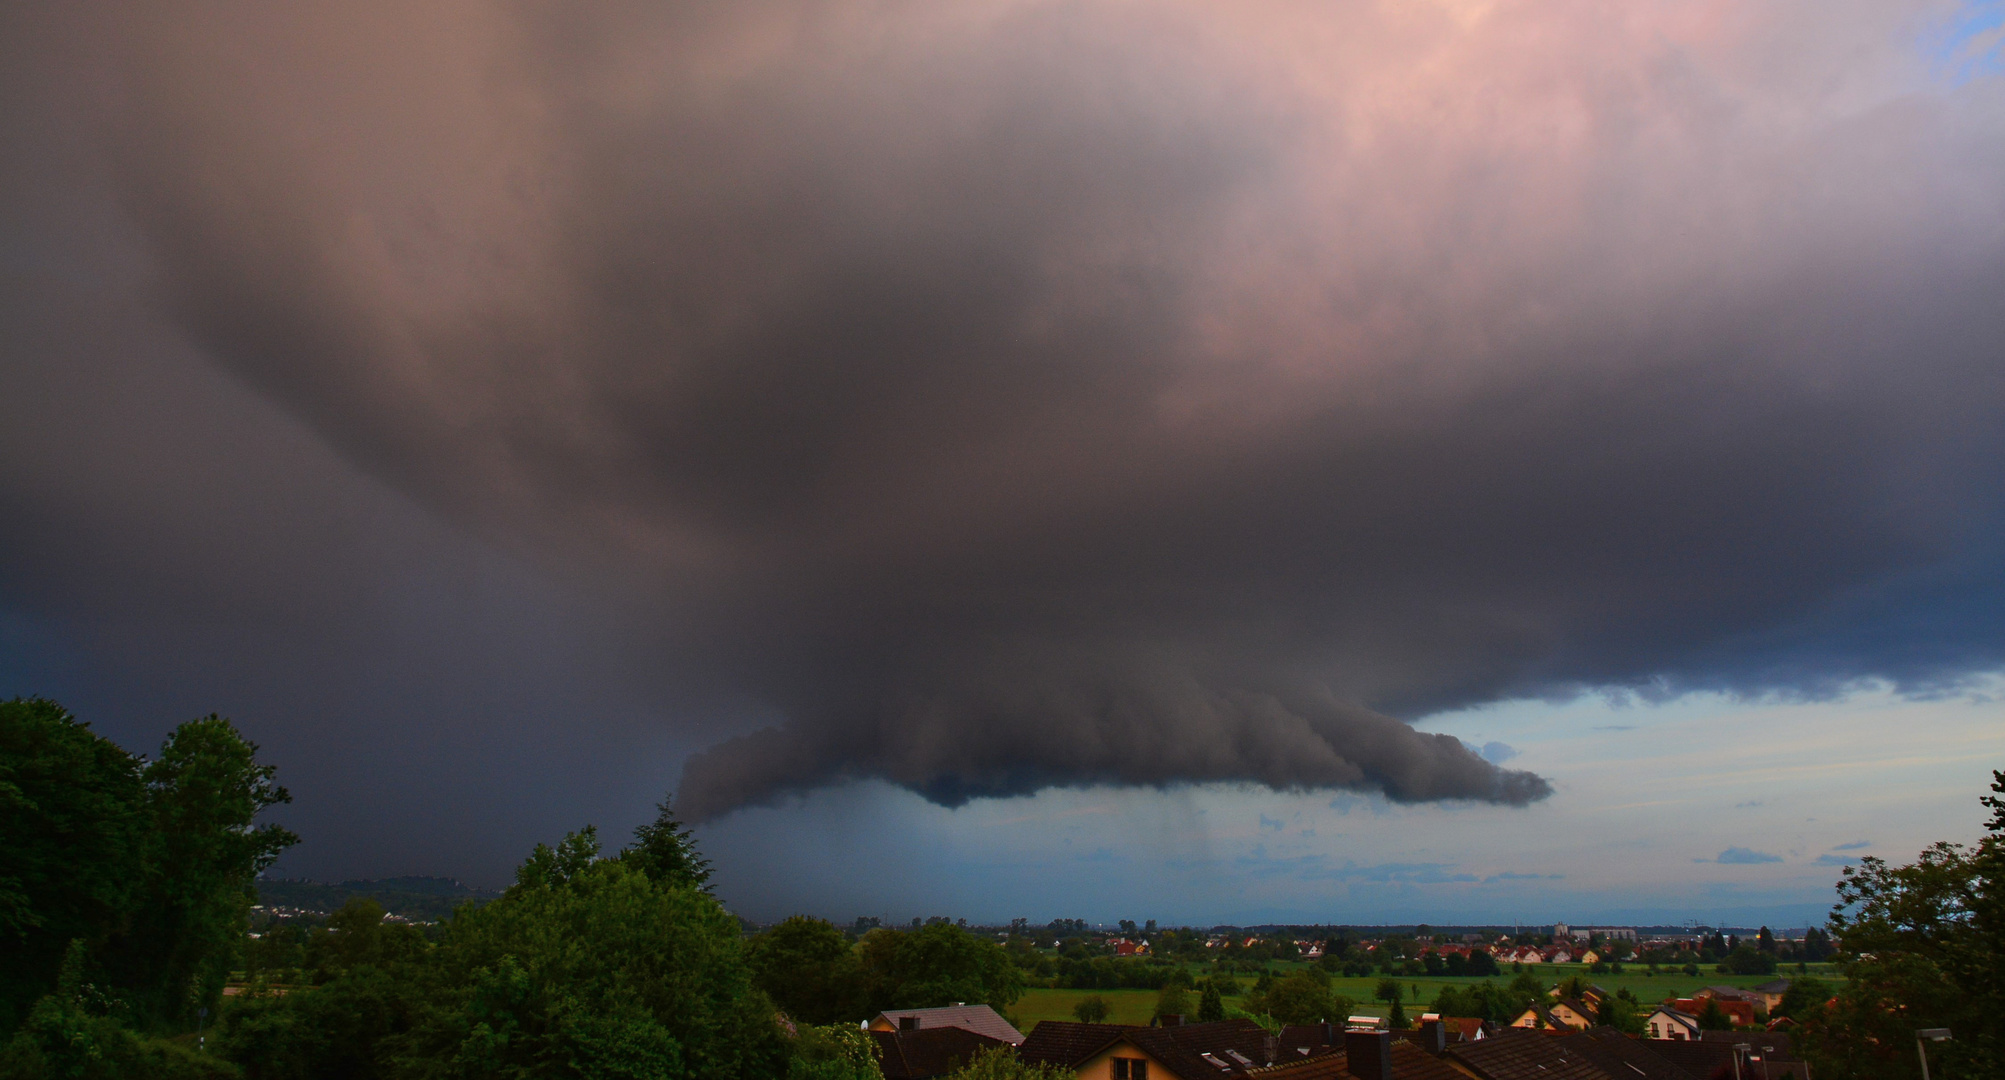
[
  {"x": 1746, "y": 960},
  {"x": 595, "y": 968},
  {"x": 1714, "y": 1018},
  {"x": 1490, "y": 1001},
  {"x": 1091, "y": 1009},
  {"x": 934, "y": 966},
  {"x": 665, "y": 851},
  {"x": 1387, "y": 990},
  {"x": 1396, "y": 1019},
  {"x": 548, "y": 867},
  {"x": 1926, "y": 942},
  {"x": 810, "y": 970},
  {"x": 356, "y": 937},
  {"x": 1621, "y": 1011},
  {"x": 1001, "y": 1063},
  {"x": 71, "y": 1033},
  {"x": 834, "y": 1052},
  {"x": 1299, "y": 998},
  {"x": 1210, "y": 1005},
  {"x": 1174, "y": 1000},
  {"x": 203, "y": 795},
  {"x": 72, "y": 811}
]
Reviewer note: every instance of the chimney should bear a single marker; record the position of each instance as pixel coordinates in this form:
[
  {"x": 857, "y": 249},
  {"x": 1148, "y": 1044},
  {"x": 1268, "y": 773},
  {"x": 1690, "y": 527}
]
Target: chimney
[
  {"x": 1433, "y": 1037},
  {"x": 1329, "y": 1034},
  {"x": 908, "y": 1023},
  {"x": 1368, "y": 1054}
]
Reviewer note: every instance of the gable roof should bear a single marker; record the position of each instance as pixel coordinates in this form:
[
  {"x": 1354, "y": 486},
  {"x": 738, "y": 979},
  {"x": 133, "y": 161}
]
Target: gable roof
[
  {"x": 1575, "y": 1007},
  {"x": 979, "y": 1019},
  {"x": 1190, "y": 1051},
  {"x": 1409, "y": 1062},
  {"x": 1623, "y": 1057},
  {"x": 928, "y": 1052},
  {"x": 1710, "y": 1058},
  {"x": 1064, "y": 1042}
]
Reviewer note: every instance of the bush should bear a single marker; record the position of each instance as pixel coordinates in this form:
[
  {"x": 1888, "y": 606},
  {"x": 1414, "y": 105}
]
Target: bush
[
  {"x": 63, "y": 1039},
  {"x": 1747, "y": 960},
  {"x": 1091, "y": 1010},
  {"x": 1001, "y": 1063},
  {"x": 1173, "y": 1001},
  {"x": 834, "y": 1052}
]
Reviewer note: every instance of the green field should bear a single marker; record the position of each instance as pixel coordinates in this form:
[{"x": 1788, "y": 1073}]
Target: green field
[
  {"x": 1136, "y": 1006},
  {"x": 1125, "y": 1006}
]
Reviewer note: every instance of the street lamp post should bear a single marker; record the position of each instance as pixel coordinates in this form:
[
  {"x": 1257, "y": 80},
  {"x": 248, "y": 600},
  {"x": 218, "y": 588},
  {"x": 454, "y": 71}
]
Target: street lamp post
[{"x": 1921, "y": 1047}]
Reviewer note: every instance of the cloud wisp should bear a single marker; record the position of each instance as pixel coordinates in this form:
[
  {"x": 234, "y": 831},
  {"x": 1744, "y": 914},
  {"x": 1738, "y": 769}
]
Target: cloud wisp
[
  {"x": 1740, "y": 856},
  {"x": 1015, "y": 395}
]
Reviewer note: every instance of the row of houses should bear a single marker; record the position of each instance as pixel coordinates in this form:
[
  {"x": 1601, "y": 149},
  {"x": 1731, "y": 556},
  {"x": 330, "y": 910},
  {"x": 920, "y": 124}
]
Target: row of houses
[
  {"x": 1676, "y": 1019},
  {"x": 918, "y": 1044}
]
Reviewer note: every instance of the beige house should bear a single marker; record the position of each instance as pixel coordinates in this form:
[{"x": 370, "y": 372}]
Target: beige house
[{"x": 1669, "y": 1023}]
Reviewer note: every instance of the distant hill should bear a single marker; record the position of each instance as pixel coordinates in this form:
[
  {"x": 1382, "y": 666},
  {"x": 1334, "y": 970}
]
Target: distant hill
[{"x": 420, "y": 899}]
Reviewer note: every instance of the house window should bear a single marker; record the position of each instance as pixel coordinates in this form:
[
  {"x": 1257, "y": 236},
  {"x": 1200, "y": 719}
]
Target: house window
[{"x": 1131, "y": 1069}]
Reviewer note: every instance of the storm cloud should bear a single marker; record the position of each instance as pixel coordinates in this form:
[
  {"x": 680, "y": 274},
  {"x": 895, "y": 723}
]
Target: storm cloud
[{"x": 1002, "y": 396}]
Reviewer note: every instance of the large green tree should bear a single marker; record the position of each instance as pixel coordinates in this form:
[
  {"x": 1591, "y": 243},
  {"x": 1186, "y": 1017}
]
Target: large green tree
[
  {"x": 933, "y": 966},
  {"x": 203, "y": 793},
  {"x": 146, "y": 865},
  {"x": 73, "y": 834},
  {"x": 1927, "y": 945},
  {"x": 810, "y": 970},
  {"x": 665, "y": 852},
  {"x": 591, "y": 968}
]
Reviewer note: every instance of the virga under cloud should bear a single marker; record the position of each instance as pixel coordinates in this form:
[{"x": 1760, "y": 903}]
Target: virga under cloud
[{"x": 1013, "y": 395}]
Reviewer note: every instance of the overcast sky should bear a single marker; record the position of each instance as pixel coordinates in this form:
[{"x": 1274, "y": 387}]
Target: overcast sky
[{"x": 1327, "y": 462}]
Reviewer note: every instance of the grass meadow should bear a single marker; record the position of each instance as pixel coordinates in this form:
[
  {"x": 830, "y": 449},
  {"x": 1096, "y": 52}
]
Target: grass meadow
[{"x": 1136, "y": 1006}]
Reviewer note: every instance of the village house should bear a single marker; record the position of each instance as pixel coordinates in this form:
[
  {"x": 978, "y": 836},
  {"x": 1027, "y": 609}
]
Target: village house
[
  {"x": 1669, "y": 1023},
  {"x": 1739, "y": 1010},
  {"x": 979, "y": 1019},
  {"x": 926, "y": 1053},
  {"x": 1171, "y": 1052},
  {"x": 1565, "y": 1015}
]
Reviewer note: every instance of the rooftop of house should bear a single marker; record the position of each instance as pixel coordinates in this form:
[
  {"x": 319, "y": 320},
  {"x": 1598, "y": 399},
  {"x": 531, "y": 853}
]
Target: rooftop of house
[
  {"x": 928, "y": 1052},
  {"x": 1190, "y": 1051},
  {"x": 1409, "y": 1062},
  {"x": 1620, "y": 1056},
  {"x": 1713, "y": 1053},
  {"x": 1525, "y": 1055},
  {"x": 979, "y": 1019}
]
